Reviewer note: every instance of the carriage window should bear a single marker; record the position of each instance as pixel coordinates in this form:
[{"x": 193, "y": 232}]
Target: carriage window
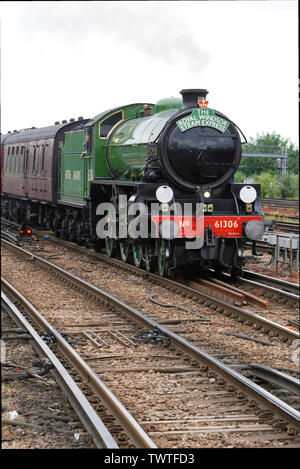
[
  {"x": 17, "y": 163},
  {"x": 21, "y": 162},
  {"x": 107, "y": 124},
  {"x": 13, "y": 165},
  {"x": 33, "y": 160},
  {"x": 8, "y": 164},
  {"x": 39, "y": 164},
  {"x": 26, "y": 156},
  {"x": 41, "y": 161},
  {"x": 17, "y": 150},
  {"x": 13, "y": 150},
  {"x": 43, "y": 158},
  {"x": 8, "y": 151}
]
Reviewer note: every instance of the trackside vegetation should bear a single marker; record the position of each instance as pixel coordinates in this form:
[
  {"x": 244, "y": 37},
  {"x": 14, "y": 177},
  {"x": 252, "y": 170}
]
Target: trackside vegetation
[{"x": 264, "y": 170}]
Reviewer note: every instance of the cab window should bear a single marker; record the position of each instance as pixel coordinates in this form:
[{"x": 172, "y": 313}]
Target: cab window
[{"x": 109, "y": 123}]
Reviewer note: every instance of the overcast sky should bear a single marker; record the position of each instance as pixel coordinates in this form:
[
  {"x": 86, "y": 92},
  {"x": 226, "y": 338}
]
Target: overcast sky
[{"x": 68, "y": 59}]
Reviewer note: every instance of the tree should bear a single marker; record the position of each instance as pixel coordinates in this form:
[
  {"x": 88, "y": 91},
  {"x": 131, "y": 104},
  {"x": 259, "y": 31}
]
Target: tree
[
  {"x": 293, "y": 159},
  {"x": 270, "y": 185},
  {"x": 239, "y": 176},
  {"x": 289, "y": 186},
  {"x": 269, "y": 143}
]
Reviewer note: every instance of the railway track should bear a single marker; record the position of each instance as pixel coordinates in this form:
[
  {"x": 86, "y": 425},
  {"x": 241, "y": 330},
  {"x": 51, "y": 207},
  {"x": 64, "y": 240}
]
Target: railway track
[
  {"x": 210, "y": 388},
  {"x": 218, "y": 297},
  {"x": 85, "y": 412},
  {"x": 272, "y": 284},
  {"x": 224, "y": 350},
  {"x": 224, "y": 300},
  {"x": 201, "y": 293},
  {"x": 285, "y": 203},
  {"x": 285, "y": 212},
  {"x": 287, "y": 227},
  {"x": 210, "y": 294}
]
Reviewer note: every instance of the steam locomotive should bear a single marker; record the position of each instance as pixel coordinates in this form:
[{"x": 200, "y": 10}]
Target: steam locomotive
[{"x": 153, "y": 185}]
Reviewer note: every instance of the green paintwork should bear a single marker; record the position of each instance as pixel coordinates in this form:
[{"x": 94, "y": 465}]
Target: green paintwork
[
  {"x": 129, "y": 146},
  {"x": 130, "y": 143},
  {"x": 125, "y": 250},
  {"x": 166, "y": 104},
  {"x": 99, "y": 145},
  {"x": 137, "y": 253},
  {"x": 74, "y": 172},
  {"x": 110, "y": 247}
]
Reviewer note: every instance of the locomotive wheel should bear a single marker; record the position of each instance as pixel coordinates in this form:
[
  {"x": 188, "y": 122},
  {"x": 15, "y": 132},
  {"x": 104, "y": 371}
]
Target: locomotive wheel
[
  {"x": 149, "y": 259},
  {"x": 125, "y": 251},
  {"x": 110, "y": 247},
  {"x": 163, "y": 258},
  {"x": 137, "y": 252}
]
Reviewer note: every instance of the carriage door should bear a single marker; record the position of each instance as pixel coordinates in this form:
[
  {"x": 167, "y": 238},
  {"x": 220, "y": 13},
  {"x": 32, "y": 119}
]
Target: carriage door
[
  {"x": 25, "y": 170},
  {"x": 88, "y": 164}
]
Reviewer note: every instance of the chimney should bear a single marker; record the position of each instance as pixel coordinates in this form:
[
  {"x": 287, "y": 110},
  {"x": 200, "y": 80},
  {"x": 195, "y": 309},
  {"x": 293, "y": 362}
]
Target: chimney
[{"x": 190, "y": 98}]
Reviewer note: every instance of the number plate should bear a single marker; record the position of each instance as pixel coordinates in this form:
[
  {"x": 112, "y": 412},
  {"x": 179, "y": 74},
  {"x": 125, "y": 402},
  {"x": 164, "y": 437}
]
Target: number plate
[{"x": 230, "y": 227}]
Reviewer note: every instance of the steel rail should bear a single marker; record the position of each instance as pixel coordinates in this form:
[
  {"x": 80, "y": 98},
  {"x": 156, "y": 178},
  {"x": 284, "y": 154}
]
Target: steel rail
[
  {"x": 205, "y": 286},
  {"x": 155, "y": 277},
  {"x": 135, "y": 431},
  {"x": 288, "y": 227},
  {"x": 263, "y": 322},
  {"x": 247, "y": 275},
  {"x": 281, "y": 286},
  {"x": 91, "y": 421},
  {"x": 8, "y": 236},
  {"x": 215, "y": 284},
  {"x": 278, "y": 329},
  {"x": 281, "y": 202},
  {"x": 271, "y": 375},
  {"x": 288, "y": 289},
  {"x": 252, "y": 390},
  {"x": 274, "y": 376},
  {"x": 169, "y": 282},
  {"x": 252, "y": 299}
]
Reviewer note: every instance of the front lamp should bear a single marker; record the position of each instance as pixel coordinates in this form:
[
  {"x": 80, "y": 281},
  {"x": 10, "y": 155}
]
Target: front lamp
[
  {"x": 164, "y": 194},
  {"x": 248, "y": 194}
]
